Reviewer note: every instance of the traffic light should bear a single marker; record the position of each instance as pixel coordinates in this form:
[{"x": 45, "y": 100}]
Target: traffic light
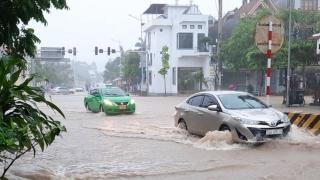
[
  {"x": 96, "y": 50},
  {"x": 108, "y": 51},
  {"x": 63, "y": 51},
  {"x": 74, "y": 51}
]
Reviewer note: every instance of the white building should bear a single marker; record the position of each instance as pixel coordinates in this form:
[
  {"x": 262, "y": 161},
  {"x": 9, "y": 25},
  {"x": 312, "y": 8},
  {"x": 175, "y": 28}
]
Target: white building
[{"x": 179, "y": 27}]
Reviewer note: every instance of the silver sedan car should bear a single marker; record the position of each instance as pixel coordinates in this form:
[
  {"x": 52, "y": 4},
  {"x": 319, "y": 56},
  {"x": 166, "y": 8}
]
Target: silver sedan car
[{"x": 245, "y": 116}]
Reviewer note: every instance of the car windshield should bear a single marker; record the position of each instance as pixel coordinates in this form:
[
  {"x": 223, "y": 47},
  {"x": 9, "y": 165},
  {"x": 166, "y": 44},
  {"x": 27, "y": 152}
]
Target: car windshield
[
  {"x": 236, "y": 101},
  {"x": 112, "y": 92}
]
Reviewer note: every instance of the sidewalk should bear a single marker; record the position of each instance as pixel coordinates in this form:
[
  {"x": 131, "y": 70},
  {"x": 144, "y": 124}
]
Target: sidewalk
[{"x": 276, "y": 102}]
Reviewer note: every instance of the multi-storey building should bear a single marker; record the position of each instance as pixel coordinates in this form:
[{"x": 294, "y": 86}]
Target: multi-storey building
[{"x": 180, "y": 27}]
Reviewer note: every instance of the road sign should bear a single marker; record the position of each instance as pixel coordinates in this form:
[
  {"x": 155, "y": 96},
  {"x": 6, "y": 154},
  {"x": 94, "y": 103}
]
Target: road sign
[{"x": 261, "y": 33}]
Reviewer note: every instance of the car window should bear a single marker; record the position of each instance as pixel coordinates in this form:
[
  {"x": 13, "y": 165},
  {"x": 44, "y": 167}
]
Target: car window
[
  {"x": 241, "y": 101},
  {"x": 189, "y": 101},
  {"x": 113, "y": 92},
  {"x": 197, "y": 100},
  {"x": 208, "y": 101},
  {"x": 94, "y": 92}
]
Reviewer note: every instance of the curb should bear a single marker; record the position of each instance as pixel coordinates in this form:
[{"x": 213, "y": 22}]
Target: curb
[{"x": 307, "y": 122}]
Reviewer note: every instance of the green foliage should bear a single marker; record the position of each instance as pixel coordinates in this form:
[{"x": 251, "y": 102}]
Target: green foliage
[
  {"x": 15, "y": 13},
  {"x": 47, "y": 72},
  {"x": 183, "y": 83},
  {"x": 131, "y": 68},
  {"x": 239, "y": 51},
  {"x": 112, "y": 70},
  {"x": 23, "y": 126},
  {"x": 199, "y": 76},
  {"x": 165, "y": 65},
  {"x": 165, "y": 61},
  {"x": 234, "y": 50}
]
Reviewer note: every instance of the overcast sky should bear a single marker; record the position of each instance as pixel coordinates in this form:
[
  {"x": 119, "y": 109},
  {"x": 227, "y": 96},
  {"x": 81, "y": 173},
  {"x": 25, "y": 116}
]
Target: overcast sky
[{"x": 91, "y": 23}]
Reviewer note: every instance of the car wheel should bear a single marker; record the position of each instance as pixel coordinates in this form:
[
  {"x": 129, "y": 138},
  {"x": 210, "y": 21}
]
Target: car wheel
[
  {"x": 87, "y": 107},
  {"x": 182, "y": 125},
  {"x": 101, "y": 108},
  {"x": 225, "y": 128}
]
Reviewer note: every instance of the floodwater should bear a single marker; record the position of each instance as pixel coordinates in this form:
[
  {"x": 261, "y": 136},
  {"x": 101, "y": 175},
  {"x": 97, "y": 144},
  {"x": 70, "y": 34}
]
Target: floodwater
[{"x": 146, "y": 145}]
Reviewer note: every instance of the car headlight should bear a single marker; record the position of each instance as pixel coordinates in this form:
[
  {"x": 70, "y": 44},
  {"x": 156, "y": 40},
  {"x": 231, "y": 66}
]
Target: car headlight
[
  {"x": 132, "y": 101},
  {"x": 245, "y": 121},
  {"x": 107, "y": 102},
  {"x": 285, "y": 118}
]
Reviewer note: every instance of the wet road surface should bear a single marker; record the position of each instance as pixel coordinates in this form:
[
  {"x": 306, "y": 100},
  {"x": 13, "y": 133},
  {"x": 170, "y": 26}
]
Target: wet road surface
[{"x": 146, "y": 145}]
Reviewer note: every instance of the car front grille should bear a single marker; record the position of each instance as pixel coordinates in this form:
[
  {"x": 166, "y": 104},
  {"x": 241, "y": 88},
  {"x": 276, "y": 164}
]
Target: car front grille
[
  {"x": 265, "y": 123},
  {"x": 121, "y": 103},
  {"x": 260, "y": 134}
]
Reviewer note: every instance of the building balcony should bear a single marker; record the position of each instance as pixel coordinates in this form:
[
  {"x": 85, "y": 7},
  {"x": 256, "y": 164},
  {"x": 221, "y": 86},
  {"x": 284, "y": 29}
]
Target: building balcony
[
  {"x": 196, "y": 51},
  {"x": 156, "y": 22}
]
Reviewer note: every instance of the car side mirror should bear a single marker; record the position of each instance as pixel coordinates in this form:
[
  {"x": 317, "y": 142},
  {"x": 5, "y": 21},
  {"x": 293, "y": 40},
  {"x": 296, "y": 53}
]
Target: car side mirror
[
  {"x": 214, "y": 108},
  {"x": 97, "y": 95},
  {"x": 128, "y": 94}
]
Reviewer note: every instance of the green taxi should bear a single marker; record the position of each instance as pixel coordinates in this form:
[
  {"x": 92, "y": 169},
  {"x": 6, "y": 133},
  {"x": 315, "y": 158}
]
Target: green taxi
[{"x": 109, "y": 99}]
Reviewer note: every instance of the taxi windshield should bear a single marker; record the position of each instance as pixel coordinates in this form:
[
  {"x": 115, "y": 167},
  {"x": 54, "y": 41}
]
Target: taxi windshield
[{"x": 112, "y": 92}]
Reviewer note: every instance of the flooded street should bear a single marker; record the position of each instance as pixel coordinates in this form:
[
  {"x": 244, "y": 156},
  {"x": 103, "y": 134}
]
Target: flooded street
[{"x": 146, "y": 145}]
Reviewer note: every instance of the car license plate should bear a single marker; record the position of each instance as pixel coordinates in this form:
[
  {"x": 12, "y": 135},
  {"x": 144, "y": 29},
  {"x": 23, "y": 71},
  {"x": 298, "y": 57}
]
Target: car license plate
[
  {"x": 274, "y": 131},
  {"x": 122, "y": 107}
]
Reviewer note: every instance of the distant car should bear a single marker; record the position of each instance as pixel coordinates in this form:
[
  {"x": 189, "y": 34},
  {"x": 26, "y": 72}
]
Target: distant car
[
  {"x": 109, "y": 99},
  {"x": 245, "y": 116},
  {"x": 61, "y": 90},
  {"x": 80, "y": 89}
]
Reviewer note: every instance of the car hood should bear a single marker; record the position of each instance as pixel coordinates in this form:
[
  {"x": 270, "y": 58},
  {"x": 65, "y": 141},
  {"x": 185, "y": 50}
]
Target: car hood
[
  {"x": 267, "y": 114},
  {"x": 118, "y": 98}
]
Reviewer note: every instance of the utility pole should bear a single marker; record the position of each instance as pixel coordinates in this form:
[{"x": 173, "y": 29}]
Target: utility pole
[
  {"x": 289, "y": 57},
  {"x": 219, "y": 63}
]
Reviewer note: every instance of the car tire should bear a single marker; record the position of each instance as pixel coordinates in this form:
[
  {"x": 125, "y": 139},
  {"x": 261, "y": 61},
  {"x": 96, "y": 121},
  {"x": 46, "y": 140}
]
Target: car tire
[
  {"x": 101, "y": 108},
  {"x": 225, "y": 128},
  {"x": 182, "y": 125},
  {"x": 87, "y": 107}
]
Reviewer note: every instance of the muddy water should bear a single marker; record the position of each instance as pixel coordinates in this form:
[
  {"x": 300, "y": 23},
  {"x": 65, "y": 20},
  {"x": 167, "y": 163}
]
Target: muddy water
[{"x": 146, "y": 145}]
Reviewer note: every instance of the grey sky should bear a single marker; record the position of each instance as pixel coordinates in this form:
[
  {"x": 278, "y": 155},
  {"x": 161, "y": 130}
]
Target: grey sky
[{"x": 91, "y": 23}]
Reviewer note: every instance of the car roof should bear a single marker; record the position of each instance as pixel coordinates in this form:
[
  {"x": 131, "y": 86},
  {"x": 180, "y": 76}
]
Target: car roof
[
  {"x": 221, "y": 92},
  {"x": 107, "y": 87}
]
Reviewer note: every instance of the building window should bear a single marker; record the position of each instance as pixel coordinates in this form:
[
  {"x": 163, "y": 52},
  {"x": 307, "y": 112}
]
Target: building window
[
  {"x": 150, "y": 59},
  {"x": 185, "y": 40},
  {"x": 184, "y": 26},
  {"x": 174, "y": 75},
  {"x": 201, "y": 46},
  {"x": 309, "y": 5},
  {"x": 191, "y": 26},
  {"x": 150, "y": 77},
  {"x": 149, "y": 39},
  {"x": 199, "y": 26}
]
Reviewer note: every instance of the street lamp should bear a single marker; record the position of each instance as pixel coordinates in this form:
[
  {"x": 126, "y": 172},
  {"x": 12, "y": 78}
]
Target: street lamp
[
  {"x": 141, "y": 45},
  {"x": 120, "y": 55}
]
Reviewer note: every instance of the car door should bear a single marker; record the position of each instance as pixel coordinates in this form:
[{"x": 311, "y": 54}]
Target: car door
[
  {"x": 209, "y": 120},
  {"x": 96, "y": 100},
  {"x": 91, "y": 99},
  {"x": 193, "y": 116}
]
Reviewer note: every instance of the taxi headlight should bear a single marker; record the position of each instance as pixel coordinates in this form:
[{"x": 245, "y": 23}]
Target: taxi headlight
[
  {"x": 245, "y": 121},
  {"x": 285, "y": 118},
  {"x": 132, "y": 101},
  {"x": 107, "y": 102}
]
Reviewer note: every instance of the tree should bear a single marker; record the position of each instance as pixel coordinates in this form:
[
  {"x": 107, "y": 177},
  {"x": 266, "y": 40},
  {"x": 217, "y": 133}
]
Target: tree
[
  {"x": 131, "y": 70},
  {"x": 165, "y": 65},
  {"x": 234, "y": 50},
  {"x": 199, "y": 76},
  {"x": 112, "y": 70},
  {"x": 23, "y": 126}
]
